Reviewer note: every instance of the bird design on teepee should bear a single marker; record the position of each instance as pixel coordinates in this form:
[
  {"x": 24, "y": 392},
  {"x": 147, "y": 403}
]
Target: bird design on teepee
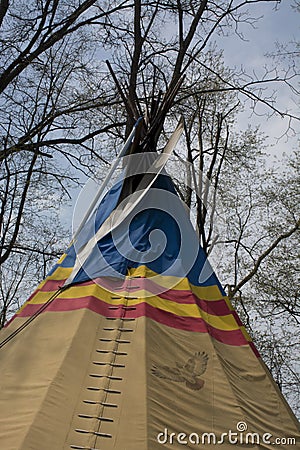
[{"x": 189, "y": 372}]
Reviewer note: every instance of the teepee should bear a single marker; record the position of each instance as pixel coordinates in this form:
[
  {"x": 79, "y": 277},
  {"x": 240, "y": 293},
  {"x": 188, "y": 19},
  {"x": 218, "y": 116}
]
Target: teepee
[{"x": 130, "y": 343}]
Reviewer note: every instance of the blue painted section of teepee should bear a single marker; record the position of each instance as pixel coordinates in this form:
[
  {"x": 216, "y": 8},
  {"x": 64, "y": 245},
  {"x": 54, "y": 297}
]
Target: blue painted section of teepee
[{"x": 165, "y": 242}]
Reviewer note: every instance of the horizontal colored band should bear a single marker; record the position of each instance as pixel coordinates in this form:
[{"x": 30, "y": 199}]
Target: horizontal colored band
[
  {"x": 143, "y": 287},
  {"x": 193, "y": 324},
  {"x": 157, "y": 281},
  {"x": 191, "y": 308}
]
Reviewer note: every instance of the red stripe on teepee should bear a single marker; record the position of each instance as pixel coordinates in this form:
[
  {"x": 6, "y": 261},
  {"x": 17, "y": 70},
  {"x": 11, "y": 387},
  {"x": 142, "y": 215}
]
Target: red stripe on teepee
[
  {"x": 215, "y": 307},
  {"x": 193, "y": 324}
]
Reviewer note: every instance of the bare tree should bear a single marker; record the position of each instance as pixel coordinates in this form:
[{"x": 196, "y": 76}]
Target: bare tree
[{"x": 49, "y": 92}]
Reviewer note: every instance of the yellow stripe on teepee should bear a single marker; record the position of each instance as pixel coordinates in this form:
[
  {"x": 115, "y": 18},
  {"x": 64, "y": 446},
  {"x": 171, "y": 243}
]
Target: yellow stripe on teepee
[
  {"x": 167, "y": 282},
  {"x": 61, "y": 273},
  {"x": 40, "y": 297},
  {"x": 178, "y": 284},
  {"x": 63, "y": 256},
  {"x": 225, "y": 322}
]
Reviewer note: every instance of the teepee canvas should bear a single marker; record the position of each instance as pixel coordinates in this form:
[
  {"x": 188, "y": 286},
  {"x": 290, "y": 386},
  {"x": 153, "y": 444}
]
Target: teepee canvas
[{"x": 131, "y": 343}]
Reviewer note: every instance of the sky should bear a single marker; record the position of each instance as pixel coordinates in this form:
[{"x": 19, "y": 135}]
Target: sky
[{"x": 282, "y": 25}]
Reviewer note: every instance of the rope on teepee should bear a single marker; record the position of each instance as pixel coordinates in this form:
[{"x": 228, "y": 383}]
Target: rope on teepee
[{"x": 34, "y": 316}]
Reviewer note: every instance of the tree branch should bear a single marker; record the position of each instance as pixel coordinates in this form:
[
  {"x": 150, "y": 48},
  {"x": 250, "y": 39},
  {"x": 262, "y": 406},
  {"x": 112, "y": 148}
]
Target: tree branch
[
  {"x": 263, "y": 256},
  {"x": 4, "y": 4}
]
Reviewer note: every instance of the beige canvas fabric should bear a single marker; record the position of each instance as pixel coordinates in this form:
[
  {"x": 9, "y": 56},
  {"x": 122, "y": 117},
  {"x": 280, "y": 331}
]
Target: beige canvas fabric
[{"x": 79, "y": 380}]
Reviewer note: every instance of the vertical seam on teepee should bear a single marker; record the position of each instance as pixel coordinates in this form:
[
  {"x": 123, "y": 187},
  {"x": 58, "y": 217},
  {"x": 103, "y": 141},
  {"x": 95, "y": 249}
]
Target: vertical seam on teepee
[
  {"x": 94, "y": 433},
  {"x": 117, "y": 343}
]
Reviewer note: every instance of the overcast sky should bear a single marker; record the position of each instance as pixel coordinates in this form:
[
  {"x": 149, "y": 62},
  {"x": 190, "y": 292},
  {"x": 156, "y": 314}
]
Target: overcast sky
[{"x": 282, "y": 26}]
